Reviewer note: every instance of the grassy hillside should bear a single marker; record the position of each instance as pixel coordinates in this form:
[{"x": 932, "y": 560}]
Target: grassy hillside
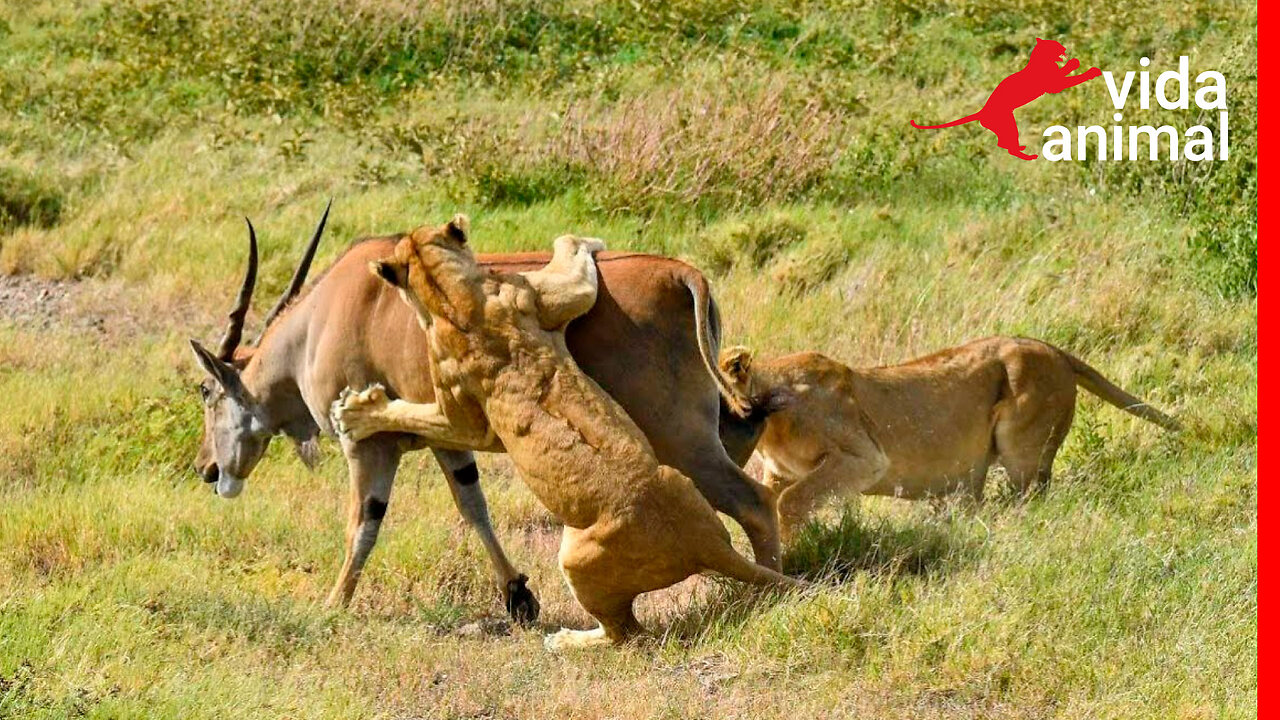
[{"x": 767, "y": 143}]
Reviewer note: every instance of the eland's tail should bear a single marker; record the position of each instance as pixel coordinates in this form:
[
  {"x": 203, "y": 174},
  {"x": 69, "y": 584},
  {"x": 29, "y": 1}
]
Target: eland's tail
[{"x": 707, "y": 329}]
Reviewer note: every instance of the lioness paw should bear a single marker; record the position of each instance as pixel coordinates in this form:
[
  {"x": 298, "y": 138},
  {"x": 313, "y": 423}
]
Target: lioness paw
[
  {"x": 572, "y": 245},
  {"x": 591, "y": 245},
  {"x": 353, "y": 413},
  {"x": 571, "y": 639}
]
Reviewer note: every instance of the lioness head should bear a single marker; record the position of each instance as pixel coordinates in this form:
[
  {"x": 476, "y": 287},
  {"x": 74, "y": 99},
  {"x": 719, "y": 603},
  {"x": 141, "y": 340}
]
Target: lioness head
[
  {"x": 766, "y": 395},
  {"x": 436, "y": 273},
  {"x": 735, "y": 363}
]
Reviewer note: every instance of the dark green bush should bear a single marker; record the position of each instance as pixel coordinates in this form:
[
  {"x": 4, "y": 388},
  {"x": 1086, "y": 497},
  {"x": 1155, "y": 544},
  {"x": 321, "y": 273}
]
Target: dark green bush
[
  {"x": 28, "y": 199},
  {"x": 753, "y": 242}
]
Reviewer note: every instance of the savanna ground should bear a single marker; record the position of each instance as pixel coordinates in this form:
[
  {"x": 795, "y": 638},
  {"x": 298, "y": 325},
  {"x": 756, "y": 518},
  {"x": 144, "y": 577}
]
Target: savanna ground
[{"x": 765, "y": 142}]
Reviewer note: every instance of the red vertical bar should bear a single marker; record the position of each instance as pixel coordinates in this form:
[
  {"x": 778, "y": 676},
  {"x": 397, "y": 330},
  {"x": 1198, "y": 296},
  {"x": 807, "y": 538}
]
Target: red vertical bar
[{"x": 1266, "y": 211}]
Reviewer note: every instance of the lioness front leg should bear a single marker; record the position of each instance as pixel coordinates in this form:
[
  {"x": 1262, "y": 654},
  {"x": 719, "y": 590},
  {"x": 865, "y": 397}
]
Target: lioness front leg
[
  {"x": 567, "y": 285},
  {"x": 357, "y": 415},
  {"x": 838, "y": 474}
]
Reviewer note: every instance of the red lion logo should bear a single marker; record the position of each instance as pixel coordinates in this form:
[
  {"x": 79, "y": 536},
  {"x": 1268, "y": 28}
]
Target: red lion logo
[{"x": 1041, "y": 75}]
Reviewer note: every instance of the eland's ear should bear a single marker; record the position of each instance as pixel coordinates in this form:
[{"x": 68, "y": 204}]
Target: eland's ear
[
  {"x": 222, "y": 372},
  {"x": 458, "y": 228},
  {"x": 391, "y": 273}
]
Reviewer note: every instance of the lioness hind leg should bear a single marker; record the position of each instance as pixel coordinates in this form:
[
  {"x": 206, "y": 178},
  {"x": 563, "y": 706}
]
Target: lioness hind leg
[
  {"x": 601, "y": 583},
  {"x": 1032, "y": 420},
  {"x": 567, "y": 639},
  {"x": 1027, "y": 446}
]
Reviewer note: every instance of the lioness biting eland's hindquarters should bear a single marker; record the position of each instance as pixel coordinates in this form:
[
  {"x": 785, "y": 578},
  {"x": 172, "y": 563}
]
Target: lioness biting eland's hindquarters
[
  {"x": 924, "y": 428},
  {"x": 504, "y": 377}
]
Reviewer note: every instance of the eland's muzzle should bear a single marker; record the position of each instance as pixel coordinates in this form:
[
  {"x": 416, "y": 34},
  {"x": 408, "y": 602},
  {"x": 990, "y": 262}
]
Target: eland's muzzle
[{"x": 229, "y": 486}]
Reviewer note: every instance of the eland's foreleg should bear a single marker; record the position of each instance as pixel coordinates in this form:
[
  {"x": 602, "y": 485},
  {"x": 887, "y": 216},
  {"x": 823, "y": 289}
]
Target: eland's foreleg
[{"x": 372, "y": 466}]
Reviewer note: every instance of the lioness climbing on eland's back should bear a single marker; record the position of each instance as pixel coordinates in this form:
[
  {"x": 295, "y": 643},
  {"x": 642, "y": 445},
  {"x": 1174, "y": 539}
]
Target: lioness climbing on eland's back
[
  {"x": 504, "y": 379},
  {"x": 925, "y": 428},
  {"x": 650, "y": 341}
]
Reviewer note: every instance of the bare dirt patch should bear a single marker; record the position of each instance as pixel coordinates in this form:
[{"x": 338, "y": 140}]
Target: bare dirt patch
[
  {"x": 32, "y": 302},
  {"x": 103, "y": 308}
]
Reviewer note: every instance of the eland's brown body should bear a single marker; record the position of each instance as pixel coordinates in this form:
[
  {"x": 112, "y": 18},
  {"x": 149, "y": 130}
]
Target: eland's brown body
[{"x": 649, "y": 341}]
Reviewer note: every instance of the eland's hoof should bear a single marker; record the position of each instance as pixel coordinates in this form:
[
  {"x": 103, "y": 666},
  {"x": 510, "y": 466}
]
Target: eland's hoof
[{"x": 521, "y": 605}]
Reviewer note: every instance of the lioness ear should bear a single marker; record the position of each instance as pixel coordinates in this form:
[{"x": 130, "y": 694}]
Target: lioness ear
[
  {"x": 736, "y": 363},
  {"x": 458, "y": 228},
  {"x": 390, "y": 272}
]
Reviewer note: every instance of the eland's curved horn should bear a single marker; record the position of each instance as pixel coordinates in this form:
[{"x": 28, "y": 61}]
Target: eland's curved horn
[
  {"x": 235, "y": 319},
  {"x": 299, "y": 275}
]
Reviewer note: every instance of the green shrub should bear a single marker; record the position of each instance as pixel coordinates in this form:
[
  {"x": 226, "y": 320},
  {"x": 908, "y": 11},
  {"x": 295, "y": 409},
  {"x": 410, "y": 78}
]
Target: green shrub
[
  {"x": 811, "y": 267},
  {"x": 1219, "y": 197},
  {"x": 751, "y": 242},
  {"x": 28, "y": 199},
  {"x": 715, "y": 146}
]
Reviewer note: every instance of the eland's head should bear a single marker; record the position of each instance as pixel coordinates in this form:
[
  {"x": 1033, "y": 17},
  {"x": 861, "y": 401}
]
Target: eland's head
[{"x": 238, "y": 426}]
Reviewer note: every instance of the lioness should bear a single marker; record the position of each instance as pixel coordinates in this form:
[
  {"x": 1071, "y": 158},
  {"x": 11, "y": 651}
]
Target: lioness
[
  {"x": 504, "y": 379},
  {"x": 925, "y": 428}
]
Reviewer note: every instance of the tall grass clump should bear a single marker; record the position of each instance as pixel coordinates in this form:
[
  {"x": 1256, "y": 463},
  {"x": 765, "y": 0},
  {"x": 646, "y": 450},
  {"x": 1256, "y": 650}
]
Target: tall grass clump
[{"x": 727, "y": 147}]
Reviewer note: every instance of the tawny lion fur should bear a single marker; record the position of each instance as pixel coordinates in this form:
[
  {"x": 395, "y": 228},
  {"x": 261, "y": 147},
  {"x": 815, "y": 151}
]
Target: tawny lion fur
[
  {"x": 504, "y": 378},
  {"x": 925, "y": 428}
]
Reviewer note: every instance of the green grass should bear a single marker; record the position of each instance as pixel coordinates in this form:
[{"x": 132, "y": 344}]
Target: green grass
[{"x": 765, "y": 142}]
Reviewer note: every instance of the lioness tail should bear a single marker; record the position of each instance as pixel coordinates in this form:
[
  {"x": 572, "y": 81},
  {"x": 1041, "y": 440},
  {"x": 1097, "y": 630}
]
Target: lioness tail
[
  {"x": 726, "y": 561},
  {"x": 1094, "y": 382}
]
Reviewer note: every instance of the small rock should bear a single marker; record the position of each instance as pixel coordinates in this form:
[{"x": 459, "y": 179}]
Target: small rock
[{"x": 485, "y": 627}]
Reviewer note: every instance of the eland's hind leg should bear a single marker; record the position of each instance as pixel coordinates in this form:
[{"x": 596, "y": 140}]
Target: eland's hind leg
[
  {"x": 731, "y": 491},
  {"x": 691, "y": 444},
  {"x": 464, "y": 482}
]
